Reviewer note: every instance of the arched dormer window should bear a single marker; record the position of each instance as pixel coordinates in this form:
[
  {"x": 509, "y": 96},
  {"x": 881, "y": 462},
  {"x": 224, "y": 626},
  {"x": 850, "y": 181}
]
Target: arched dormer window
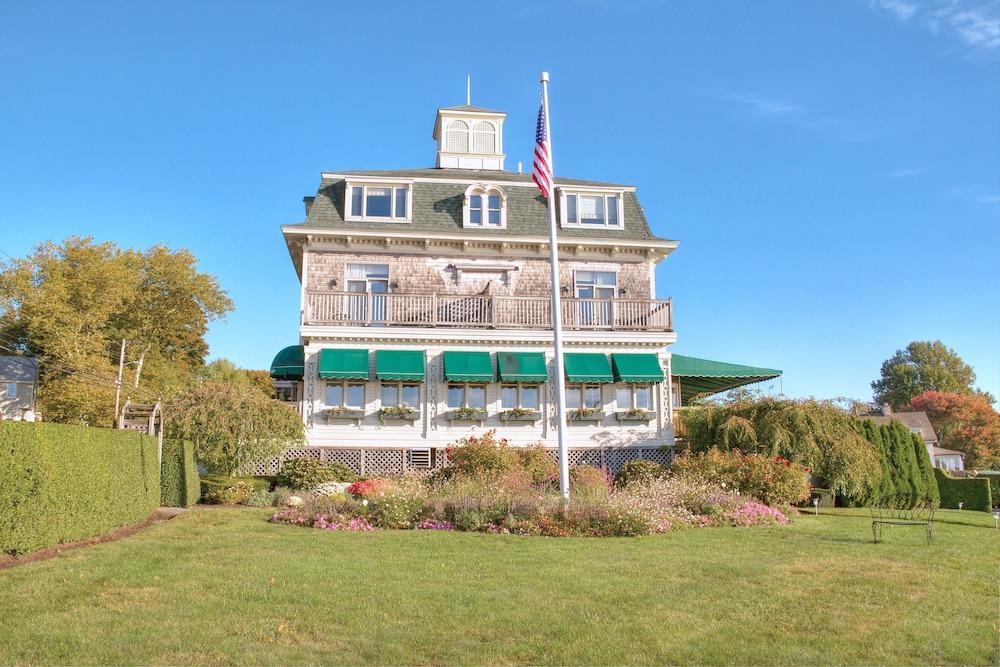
[
  {"x": 457, "y": 137},
  {"x": 484, "y": 138},
  {"x": 485, "y": 207}
]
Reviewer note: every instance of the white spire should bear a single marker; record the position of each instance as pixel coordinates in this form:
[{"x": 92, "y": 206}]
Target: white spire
[{"x": 468, "y": 89}]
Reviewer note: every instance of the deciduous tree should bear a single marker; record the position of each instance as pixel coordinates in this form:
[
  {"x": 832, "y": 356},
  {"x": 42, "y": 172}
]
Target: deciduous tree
[
  {"x": 922, "y": 366},
  {"x": 965, "y": 423}
]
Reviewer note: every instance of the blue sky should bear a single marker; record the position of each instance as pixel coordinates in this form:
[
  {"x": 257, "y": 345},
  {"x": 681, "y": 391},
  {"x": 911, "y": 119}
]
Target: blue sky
[{"x": 831, "y": 169}]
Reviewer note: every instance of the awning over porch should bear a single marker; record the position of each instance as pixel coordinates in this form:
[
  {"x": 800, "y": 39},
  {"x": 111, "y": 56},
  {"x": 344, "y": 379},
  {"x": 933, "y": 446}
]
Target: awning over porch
[
  {"x": 468, "y": 367},
  {"x": 399, "y": 365},
  {"x": 522, "y": 367},
  {"x": 343, "y": 364},
  {"x": 289, "y": 364},
  {"x": 703, "y": 376},
  {"x": 587, "y": 367},
  {"x": 640, "y": 368}
]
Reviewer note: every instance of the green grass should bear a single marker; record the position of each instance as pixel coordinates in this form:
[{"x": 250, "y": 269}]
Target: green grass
[{"x": 225, "y": 587}]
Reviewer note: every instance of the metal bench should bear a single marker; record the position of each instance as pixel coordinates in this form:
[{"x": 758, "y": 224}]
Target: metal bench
[{"x": 902, "y": 511}]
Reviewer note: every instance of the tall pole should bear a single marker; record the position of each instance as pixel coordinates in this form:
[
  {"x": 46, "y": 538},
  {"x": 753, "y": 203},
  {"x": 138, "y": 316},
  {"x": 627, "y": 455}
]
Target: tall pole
[
  {"x": 556, "y": 307},
  {"x": 118, "y": 382}
]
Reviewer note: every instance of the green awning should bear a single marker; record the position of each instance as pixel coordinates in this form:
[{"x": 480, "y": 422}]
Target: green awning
[
  {"x": 343, "y": 364},
  {"x": 399, "y": 365},
  {"x": 522, "y": 367},
  {"x": 289, "y": 364},
  {"x": 587, "y": 367},
  {"x": 700, "y": 377},
  {"x": 636, "y": 368},
  {"x": 468, "y": 367}
]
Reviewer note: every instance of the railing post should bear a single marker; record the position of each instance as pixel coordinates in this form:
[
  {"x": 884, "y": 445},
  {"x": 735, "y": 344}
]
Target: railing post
[
  {"x": 434, "y": 309},
  {"x": 491, "y": 304}
]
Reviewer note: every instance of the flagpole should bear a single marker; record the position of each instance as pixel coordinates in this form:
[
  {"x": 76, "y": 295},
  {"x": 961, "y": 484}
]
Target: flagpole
[{"x": 556, "y": 307}]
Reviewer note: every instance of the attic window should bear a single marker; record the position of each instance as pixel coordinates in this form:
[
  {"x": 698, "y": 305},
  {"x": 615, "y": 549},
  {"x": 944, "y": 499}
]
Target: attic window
[
  {"x": 485, "y": 207},
  {"x": 591, "y": 210},
  {"x": 374, "y": 202}
]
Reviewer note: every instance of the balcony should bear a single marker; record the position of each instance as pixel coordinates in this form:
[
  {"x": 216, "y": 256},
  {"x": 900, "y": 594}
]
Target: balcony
[{"x": 482, "y": 311}]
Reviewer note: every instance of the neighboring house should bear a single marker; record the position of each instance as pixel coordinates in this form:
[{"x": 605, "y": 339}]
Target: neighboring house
[
  {"x": 426, "y": 312},
  {"x": 919, "y": 423},
  {"x": 18, "y": 386}
]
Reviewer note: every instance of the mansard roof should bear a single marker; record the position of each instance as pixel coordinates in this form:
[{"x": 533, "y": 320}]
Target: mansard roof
[{"x": 438, "y": 198}]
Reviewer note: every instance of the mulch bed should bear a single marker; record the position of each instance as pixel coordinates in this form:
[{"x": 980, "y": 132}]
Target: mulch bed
[{"x": 159, "y": 516}]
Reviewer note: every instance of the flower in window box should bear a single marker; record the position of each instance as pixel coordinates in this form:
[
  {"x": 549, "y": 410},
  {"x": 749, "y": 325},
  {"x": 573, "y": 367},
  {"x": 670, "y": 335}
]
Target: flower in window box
[
  {"x": 583, "y": 414},
  {"x": 467, "y": 413}
]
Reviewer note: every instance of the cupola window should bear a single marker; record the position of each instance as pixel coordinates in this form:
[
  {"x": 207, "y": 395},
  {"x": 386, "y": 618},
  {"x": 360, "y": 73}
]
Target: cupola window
[
  {"x": 485, "y": 206},
  {"x": 457, "y": 137},
  {"x": 484, "y": 138}
]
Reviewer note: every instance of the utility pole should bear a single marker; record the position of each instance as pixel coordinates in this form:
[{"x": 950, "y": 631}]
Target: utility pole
[{"x": 118, "y": 382}]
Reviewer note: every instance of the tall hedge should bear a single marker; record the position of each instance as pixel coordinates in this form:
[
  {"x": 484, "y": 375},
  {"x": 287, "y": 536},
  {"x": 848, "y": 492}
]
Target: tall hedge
[
  {"x": 180, "y": 485},
  {"x": 931, "y": 491},
  {"x": 61, "y": 483},
  {"x": 973, "y": 492}
]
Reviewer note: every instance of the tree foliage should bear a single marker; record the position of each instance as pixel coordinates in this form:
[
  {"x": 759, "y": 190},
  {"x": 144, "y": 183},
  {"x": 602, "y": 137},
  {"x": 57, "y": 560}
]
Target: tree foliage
[
  {"x": 965, "y": 423},
  {"x": 223, "y": 370},
  {"x": 232, "y": 425},
  {"x": 815, "y": 434},
  {"x": 922, "y": 366},
  {"x": 71, "y": 303}
]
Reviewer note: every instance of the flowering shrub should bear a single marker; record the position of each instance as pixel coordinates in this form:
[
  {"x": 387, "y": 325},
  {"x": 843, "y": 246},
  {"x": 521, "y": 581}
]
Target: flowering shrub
[
  {"x": 434, "y": 524},
  {"x": 480, "y": 456},
  {"x": 589, "y": 481},
  {"x": 753, "y": 513},
  {"x": 235, "y": 494},
  {"x": 305, "y": 473},
  {"x": 368, "y": 488},
  {"x": 638, "y": 471},
  {"x": 400, "y": 505},
  {"x": 331, "y": 489},
  {"x": 773, "y": 481}
]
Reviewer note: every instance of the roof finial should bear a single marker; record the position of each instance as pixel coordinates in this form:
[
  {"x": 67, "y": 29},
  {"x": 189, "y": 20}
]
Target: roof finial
[{"x": 468, "y": 90}]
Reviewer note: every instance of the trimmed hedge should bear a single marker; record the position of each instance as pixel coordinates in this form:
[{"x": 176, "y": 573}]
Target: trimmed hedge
[
  {"x": 61, "y": 483},
  {"x": 180, "y": 485},
  {"x": 973, "y": 492}
]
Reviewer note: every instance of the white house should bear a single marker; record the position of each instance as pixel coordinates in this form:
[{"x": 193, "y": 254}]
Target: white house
[{"x": 426, "y": 312}]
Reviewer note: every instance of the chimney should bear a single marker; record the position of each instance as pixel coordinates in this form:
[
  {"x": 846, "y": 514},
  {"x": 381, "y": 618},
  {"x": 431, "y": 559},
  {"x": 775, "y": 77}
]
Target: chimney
[{"x": 308, "y": 201}]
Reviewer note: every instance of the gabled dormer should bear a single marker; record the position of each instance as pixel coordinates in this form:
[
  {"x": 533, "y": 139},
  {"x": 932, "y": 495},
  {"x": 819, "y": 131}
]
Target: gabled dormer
[{"x": 469, "y": 137}]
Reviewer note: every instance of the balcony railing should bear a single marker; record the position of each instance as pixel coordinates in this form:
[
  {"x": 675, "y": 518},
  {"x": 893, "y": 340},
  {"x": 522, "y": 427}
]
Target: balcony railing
[{"x": 484, "y": 311}]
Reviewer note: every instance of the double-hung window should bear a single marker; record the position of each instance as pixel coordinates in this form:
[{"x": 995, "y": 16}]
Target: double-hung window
[
  {"x": 634, "y": 396},
  {"x": 387, "y": 202},
  {"x": 485, "y": 207},
  {"x": 519, "y": 395},
  {"x": 400, "y": 393},
  {"x": 345, "y": 394},
  {"x": 583, "y": 396},
  {"x": 466, "y": 395},
  {"x": 591, "y": 210}
]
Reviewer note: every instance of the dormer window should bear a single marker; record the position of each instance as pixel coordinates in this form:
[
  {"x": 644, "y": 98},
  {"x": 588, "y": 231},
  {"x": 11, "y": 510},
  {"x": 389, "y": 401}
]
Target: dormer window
[
  {"x": 591, "y": 210},
  {"x": 485, "y": 207},
  {"x": 378, "y": 202}
]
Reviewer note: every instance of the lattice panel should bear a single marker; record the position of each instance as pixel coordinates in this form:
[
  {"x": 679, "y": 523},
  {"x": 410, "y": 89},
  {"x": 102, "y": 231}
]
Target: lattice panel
[
  {"x": 263, "y": 467},
  {"x": 589, "y": 457},
  {"x": 348, "y": 457},
  {"x": 664, "y": 458},
  {"x": 439, "y": 460},
  {"x": 385, "y": 461},
  {"x": 300, "y": 454},
  {"x": 616, "y": 458}
]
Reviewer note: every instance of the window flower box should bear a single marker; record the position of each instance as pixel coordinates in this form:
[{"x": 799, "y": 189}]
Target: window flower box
[
  {"x": 337, "y": 414},
  {"x": 644, "y": 416},
  {"x": 585, "y": 416},
  {"x": 520, "y": 415},
  {"x": 467, "y": 415},
  {"x": 398, "y": 413}
]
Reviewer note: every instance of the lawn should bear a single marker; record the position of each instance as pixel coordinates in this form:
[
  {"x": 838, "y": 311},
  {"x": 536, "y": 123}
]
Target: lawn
[{"x": 225, "y": 587}]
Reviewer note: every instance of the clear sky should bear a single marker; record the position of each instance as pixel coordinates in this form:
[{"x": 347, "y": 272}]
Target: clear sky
[{"x": 832, "y": 169}]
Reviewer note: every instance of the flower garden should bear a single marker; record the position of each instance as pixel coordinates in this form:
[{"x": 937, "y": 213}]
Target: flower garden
[{"x": 491, "y": 487}]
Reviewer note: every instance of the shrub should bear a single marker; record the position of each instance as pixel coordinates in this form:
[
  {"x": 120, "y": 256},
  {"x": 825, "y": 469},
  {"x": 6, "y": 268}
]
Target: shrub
[
  {"x": 60, "y": 482},
  {"x": 368, "y": 488},
  {"x": 210, "y": 484},
  {"x": 180, "y": 485},
  {"x": 403, "y": 504},
  {"x": 972, "y": 492},
  {"x": 542, "y": 469},
  {"x": 237, "y": 493},
  {"x": 306, "y": 473},
  {"x": 773, "y": 481},
  {"x": 480, "y": 456},
  {"x": 262, "y": 499},
  {"x": 588, "y": 480},
  {"x": 638, "y": 472}
]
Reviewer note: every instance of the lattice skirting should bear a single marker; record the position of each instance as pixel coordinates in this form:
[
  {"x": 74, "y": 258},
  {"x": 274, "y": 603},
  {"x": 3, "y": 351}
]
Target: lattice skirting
[{"x": 376, "y": 462}]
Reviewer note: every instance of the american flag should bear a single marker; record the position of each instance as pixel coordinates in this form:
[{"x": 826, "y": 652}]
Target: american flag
[{"x": 541, "y": 173}]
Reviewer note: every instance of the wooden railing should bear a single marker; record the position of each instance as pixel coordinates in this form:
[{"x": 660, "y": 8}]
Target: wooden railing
[{"x": 484, "y": 311}]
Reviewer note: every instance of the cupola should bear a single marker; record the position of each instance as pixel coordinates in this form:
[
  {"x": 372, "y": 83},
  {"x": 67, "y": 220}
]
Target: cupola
[{"x": 469, "y": 137}]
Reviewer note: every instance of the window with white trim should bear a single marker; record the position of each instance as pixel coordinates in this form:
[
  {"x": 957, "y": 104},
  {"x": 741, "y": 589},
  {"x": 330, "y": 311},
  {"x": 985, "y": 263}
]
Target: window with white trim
[
  {"x": 583, "y": 396},
  {"x": 466, "y": 395},
  {"x": 519, "y": 395},
  {"x": 484, "y": 138},
  {"x": 400, "y": 393},
  {"x": 485, "y": 207},
  {"x": 345, "y": 394},
  {"x": 634, "y": 396},
  {"x": 591, "y": 210},
  {"x": 457, "y": 137},
  {"x": 374, "y": 202}
]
